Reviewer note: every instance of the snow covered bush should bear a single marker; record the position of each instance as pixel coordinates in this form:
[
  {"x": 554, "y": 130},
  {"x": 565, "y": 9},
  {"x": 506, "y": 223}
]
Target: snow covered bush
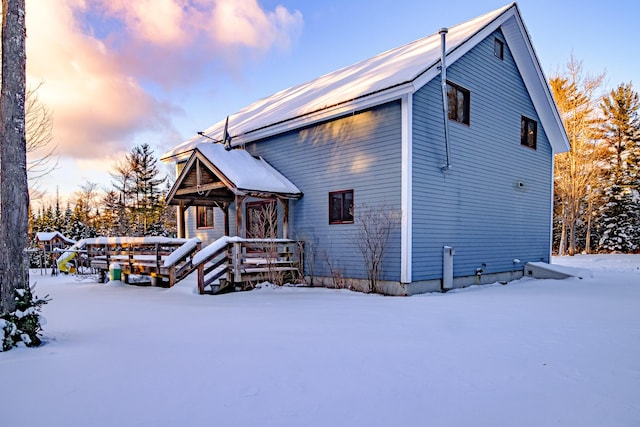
[{"x": 25, "y": 322}]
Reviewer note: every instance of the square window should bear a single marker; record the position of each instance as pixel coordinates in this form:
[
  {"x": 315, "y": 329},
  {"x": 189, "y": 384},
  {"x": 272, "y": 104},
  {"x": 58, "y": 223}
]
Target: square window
[
  {"x": 498, "y": 48},
  {"x": 459, "y": 103},
  {"x": 204, "y": 217},
  {"x": 528, "y": 132},
  {"x": 341, "y": 207}
]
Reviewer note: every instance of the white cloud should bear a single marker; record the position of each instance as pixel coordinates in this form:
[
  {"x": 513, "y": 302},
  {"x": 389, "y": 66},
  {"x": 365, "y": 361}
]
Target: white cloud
[{"x": 98, "y": 59}]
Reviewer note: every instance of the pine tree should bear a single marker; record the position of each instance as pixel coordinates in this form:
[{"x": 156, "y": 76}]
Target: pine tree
[
  {"x": 111, "y": 218},
  {"x": 622, "y": 130},
  {"x": 147, "y": 188},
  {"x": 619, "y": 220},
  {"x": 620, "y": 212},
  {"x": 66, "y": 221}
]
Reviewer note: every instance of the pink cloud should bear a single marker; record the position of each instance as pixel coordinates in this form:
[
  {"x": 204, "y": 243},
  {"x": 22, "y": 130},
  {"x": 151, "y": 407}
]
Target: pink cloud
[
  {"x": 95, "y": 106},
  {"x": 99, "y": 57}
]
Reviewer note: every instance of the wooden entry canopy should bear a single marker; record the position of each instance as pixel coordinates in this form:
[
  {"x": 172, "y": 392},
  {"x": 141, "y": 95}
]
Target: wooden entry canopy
[{"x": 214, "y": 176}]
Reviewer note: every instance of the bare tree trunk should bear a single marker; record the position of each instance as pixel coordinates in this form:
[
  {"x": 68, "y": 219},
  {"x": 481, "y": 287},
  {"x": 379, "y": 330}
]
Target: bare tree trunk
[
  {"x": 562, "y": 247},
  {"x": 14, "y": 271},
  {"x": 587, "y": 239}
]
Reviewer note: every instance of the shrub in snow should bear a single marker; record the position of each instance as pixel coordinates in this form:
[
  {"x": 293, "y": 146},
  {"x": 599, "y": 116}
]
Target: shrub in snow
[
  {"x": 25, "y": 322},
  {"x": 373, "y": 228}
]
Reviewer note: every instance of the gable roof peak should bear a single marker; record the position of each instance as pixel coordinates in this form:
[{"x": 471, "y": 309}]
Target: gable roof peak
[{"x": 386, "y": 76}]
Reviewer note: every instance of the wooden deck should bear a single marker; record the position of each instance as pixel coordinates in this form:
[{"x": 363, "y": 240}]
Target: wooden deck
[
  {"x": 226, "y": 265},
  {"x": 141, "y": 257}
]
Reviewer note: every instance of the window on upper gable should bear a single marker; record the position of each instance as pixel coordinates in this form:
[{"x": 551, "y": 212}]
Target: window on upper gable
[
  {"x": 341, "y": 207},
  {"x": 459, "y": 102},
  {"x": 498, "y": 48},
  {"x": 528, "y": 132},
  {"x": 204, "y": 217}
]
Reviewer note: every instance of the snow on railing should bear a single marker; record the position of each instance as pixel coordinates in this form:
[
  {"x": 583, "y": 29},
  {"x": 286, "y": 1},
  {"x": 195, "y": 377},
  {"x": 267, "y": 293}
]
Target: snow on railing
[
  {"x": 215, "y": 247},
  {"x": 184, "y": 250}
]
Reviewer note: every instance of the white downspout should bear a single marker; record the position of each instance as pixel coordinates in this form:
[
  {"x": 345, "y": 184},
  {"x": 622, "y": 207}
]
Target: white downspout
[{"x": 445, "y": 101}]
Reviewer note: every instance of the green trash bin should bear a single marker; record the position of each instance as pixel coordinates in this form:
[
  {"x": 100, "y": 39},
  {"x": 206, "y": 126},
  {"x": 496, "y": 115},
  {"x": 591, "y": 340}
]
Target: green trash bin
[{"x": 114, "y": 271}]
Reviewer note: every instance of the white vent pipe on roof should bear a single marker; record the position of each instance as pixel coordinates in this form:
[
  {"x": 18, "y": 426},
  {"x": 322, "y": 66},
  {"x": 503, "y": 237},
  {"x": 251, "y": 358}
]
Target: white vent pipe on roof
[{"x": 445, "y": 102}]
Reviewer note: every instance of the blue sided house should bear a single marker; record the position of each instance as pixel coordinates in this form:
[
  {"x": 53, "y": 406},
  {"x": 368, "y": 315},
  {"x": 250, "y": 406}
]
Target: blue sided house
[{"x": 455, "y": 132}]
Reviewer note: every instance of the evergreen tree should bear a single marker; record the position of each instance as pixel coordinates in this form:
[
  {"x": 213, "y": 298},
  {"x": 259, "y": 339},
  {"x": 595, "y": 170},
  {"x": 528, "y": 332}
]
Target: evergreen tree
[
  {"x": 147, "y": 188},
  {"x": 112, "y": 219},
  {"x": 620, "y": 212},
  {"x": 619, "y": 220},
  {"x": 79, "y": 226},
  {"x": 47, "y": 223},
  {"x": 622, "y": 130},
  {"x": 58, "y": 217},
  {"x": 66, "y": 221},
  {"x": 138, "y": 184}
]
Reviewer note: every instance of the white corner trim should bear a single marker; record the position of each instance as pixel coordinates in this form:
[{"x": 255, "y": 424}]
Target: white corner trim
[{"x": 406, "y": 191}]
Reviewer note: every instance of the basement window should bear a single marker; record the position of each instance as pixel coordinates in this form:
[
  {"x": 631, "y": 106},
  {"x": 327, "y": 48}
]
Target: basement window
[
  {"x": 459, "y": 103},
  {"x": 341, "y": 207},
  {"x": 498, "y": 49},
  {"x": 528, "y": 132},
  {"x": 204, "y": 217}
]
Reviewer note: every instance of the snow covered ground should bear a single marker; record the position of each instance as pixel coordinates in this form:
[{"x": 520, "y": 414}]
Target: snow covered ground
[{"x": 529, "y": 353}]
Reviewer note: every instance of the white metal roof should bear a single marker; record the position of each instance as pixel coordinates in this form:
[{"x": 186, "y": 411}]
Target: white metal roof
[{"x": 385, "y": 77}]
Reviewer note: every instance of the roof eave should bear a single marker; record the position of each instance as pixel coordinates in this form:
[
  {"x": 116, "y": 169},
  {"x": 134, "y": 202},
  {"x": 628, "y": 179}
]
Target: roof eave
[{"x": 380, "y": 97}]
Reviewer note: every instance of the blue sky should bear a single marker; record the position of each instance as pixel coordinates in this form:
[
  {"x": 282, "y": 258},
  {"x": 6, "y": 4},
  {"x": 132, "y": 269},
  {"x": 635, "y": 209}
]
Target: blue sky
[{"x": 118, "y": 74}]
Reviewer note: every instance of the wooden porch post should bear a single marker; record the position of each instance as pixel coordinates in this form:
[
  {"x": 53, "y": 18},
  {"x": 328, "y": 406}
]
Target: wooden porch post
[
  {"x": 225, "y": 211},
  {"x": 285, "y": 218},
  {"x": 240, "y": 229},
  {"x": 181, "y": 222}
]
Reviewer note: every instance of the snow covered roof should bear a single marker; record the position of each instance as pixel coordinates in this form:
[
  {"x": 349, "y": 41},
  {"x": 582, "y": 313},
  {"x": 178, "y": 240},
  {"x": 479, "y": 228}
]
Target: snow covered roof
[
  {"x": 247, "y": 172},
  {"x": 384, "y": 77},
  {"x": 44, "y": 236},
  {"x": 240, "y": 172}
]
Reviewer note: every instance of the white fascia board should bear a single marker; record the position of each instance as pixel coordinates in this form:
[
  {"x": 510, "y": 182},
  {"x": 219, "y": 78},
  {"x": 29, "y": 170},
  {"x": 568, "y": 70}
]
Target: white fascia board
[
  {"x": 552, "y": 180},
  {"x": 536, "y": 83},
  {"x": 406, "y": 236},
  {"x": 458, "y": 52}
]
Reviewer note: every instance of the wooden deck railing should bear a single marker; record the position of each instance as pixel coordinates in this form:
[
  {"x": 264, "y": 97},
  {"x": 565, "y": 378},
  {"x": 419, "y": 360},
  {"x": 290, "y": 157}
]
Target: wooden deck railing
[
  {"x": 161, "y": 259},
  {"x": 227, "y": 264},
  {"x": 245, "y": 262}
]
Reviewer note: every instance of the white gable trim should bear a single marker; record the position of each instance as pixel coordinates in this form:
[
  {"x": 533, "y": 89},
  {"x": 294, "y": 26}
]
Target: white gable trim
[
  {"x": 527, "y": 62},
  {"x": 406, "y": 237},
  {"x": 519, "y": 43}
]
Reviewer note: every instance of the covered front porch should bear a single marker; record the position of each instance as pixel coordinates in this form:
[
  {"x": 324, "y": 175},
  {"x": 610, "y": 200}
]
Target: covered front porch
[{"x": 254, "y": 199}]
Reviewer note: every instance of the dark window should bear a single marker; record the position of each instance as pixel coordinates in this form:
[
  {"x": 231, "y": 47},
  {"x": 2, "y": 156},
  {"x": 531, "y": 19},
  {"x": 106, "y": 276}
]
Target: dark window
[
  {"x": 341, "y": 207},
  {"x": 204, "y": 217},
  {"x": 458, "y": 103},
  {"x": 498, "y": 48},
  {"x": 528, "y": 132}
]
